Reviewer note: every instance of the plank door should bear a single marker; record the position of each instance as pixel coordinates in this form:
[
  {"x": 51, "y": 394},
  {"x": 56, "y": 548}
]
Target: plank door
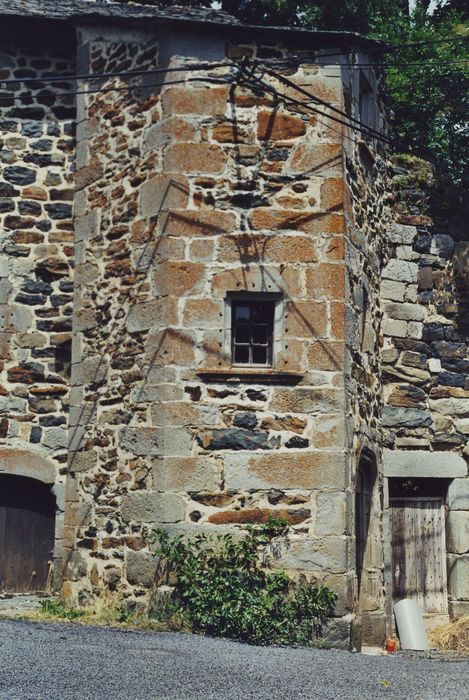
[
  {"x": 27, "y": 527},
  {"x": 419, "y": 552}
]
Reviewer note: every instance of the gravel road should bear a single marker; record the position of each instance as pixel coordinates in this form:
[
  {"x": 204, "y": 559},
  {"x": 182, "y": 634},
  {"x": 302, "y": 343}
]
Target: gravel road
[{"x": 40, "y": 661}]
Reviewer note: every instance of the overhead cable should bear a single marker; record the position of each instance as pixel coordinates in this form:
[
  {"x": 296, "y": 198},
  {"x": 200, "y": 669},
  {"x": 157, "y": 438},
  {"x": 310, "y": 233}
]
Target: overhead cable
[
  {"x": 357, "y": 125},
  {"x": 387, "y": 48},
  {"x": 126, "y": 88},
  {"x": 116, "y": 74},
  {"x": 64, "y": 77}
]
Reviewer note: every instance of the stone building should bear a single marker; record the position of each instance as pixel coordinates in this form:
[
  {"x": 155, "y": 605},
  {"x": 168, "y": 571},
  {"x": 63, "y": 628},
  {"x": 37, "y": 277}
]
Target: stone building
[{"x": 230, "y": 324}]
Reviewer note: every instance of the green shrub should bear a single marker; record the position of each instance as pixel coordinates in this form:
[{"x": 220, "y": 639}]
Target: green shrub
[
  {"x": 56, "y": 609},
  {"x": 222, "y": 590}
]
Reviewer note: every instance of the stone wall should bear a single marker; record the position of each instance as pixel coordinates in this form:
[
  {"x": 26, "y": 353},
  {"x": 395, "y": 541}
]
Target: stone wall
[
  {"x": 36, "y": 255},
  {"x": 425, "y": 358},
  {"x": 367, "y": 215},
  {"x": 185, "y": 195}
]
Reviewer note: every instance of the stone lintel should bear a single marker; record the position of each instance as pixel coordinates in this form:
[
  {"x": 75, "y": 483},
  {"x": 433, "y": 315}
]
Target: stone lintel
[{"x": 420, "y": 463}]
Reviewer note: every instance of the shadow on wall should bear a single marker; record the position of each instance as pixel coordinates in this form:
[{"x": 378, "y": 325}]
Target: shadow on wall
[{"x": 251, "y": 248}]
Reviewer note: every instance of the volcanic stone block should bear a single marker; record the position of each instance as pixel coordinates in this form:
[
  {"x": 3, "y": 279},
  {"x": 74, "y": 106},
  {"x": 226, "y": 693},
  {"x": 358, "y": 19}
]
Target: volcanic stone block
[
  {"x": 400, "y": 234},
  {"x": 6, "y": 205},
  {"x": 82, "y": 461},
  {"x": 19, "y": 175},
  {"x": 164, "y": 192},
  {"x": 405, "y": 417},
  {"x": 451, "y": 379},
  {"x": 329, "y": 554},
  {"x": 458, "y": 569},
  {"x": 155, "y": 312},
  {"x": 141, "y": 568},
  {"x": 286, "y": 470},
  {"x": 153, "y": 507},
  {"x": 318, "y": 159},
  {"x": 183, "y": 100},
  {"x": 450, "y": 407},
  {"x": 237, "y": 439},
  {"x": 392, "y": 290},
  {"x": 276, "y": 125},
  {"x": 245, "y": 419},
  {"x": 305, "y": 400},
  {"x": 458, "y": 494},
  {"x": 331, "y": 514},
  {"x": 258, "y": 515},
  {"x": 401, "y": 271},
  {"x": 297, "y": 442},
  {"x": 406, "y": 312},
  {"x": 458, "y": 532},
  {"x": 194, "y": 158},
  {"x": 407, "y": 396},
  {"x": 186, "y": 474},
  {"x": 55, "y": 438},
  {"x": 142, "y": 440}
]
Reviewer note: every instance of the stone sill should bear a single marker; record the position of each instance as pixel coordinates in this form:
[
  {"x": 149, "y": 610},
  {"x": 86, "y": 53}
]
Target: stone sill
[{"x": 256, "y": 375}]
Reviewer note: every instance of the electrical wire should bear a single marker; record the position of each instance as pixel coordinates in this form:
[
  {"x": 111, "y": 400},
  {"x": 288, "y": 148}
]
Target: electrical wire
[
  {"x": 91, "y": 91},
  {"x": 386, "y": 48},
  {"x": 408, "y": 65},
  {"x": 207, "y": 66},
  {"x": 318, "y": 100},
  {"x": 361, "y": 127},
  {"x": 305, "y": 105},
  {"x": 117, "y": 74},
  {"x": 351, "y": 122}
]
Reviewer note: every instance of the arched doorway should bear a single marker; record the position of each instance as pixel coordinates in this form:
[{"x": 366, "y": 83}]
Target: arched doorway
[
  {"x": 363, "y": 506},
  {"x": 27, "y": 531},
  {"x": 368, "y": 554}
]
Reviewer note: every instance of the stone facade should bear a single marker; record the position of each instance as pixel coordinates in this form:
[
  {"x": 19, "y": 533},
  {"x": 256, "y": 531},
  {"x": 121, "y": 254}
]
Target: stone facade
[
  {"x": 425, "y": 361},
  {"x": 37, "y": 142},
  {"x": 186, "y": 198},
  {"x": 183, "y": 197}
]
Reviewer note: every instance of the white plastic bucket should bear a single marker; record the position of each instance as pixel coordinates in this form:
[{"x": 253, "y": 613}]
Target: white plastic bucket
[{"x": 410, "y": 625}]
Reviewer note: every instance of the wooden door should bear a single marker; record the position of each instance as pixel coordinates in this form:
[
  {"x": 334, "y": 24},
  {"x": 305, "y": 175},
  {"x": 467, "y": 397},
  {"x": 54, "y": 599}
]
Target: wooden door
[
  {"x": 27, "y": 525},
  {"x": 419, "y": 552}
]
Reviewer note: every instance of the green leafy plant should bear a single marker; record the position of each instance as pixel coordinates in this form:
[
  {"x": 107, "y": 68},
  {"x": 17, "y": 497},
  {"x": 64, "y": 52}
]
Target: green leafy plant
[
  {"x": 124, "y": 614},
  {"x": 55, "y": 609},
  {"x": 222, "y": 589}
]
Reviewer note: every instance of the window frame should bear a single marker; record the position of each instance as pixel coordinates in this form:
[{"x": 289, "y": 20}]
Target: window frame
[{"x": 275, "y": 333}]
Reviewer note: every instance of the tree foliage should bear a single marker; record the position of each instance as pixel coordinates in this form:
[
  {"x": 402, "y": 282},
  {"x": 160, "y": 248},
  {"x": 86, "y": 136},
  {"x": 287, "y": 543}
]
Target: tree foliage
[{"x": 428, "y": 86}]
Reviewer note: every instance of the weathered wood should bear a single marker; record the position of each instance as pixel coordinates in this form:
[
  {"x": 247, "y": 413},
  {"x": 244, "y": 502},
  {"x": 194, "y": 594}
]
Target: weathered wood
[
  {"x": 419, "y": 552},
  {"x": 27, "y": 523}
]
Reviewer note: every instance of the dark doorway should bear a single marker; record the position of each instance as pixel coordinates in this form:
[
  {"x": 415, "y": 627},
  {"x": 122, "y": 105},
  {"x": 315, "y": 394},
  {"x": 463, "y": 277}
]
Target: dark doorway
[
  {"x": 27, "y": 529},
  {"x": 363, "y": 505},
  {"x": 370, "y": 619}
]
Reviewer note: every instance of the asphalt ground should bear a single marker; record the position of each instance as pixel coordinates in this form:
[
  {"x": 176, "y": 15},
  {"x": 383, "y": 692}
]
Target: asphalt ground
[{"x": 45, "y": 661}]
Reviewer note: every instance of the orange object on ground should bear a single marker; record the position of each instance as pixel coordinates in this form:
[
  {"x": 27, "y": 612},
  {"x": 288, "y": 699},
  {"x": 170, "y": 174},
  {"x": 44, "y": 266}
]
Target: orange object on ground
[{"x": 391, "y": 645}]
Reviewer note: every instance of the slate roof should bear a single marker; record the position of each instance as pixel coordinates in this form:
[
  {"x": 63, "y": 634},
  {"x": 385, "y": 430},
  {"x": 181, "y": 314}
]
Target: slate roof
[
  {"x": 71, "y": 9},
  {"x": 89, "y": 10}
]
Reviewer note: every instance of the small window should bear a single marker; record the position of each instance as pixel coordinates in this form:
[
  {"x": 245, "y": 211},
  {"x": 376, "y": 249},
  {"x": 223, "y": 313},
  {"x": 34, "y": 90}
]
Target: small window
[
  {"x": 367, "y": 103},
  {"x": 252, "y": 331}
]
